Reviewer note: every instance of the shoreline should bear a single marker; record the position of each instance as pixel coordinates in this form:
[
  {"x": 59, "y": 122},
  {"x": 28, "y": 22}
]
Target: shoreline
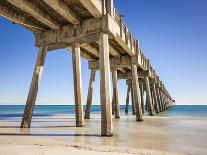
[
  {"x": 156, "y": 135},
  {"x": 60, "y": 147}
]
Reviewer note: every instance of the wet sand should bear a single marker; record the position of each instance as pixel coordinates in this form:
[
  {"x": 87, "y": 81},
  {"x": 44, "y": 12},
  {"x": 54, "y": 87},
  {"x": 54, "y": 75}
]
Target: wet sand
[{"x": 156, "y": 135}]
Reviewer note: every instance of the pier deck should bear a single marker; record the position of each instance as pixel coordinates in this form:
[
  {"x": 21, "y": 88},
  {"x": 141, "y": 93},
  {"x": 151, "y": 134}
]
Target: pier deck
[{"x": 94, "y": 30}]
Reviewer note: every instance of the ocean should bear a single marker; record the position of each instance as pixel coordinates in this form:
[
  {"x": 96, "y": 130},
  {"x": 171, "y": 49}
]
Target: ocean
[
  {"x": 16, "y": 111},
  {"x": 180, "y": 129}
]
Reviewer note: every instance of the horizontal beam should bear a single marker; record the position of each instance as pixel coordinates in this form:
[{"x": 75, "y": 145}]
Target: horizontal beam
[
  {"x": 88, "y": 31},
  {"x": 128, "y": 74},
  {"x": 120, "y": 62},
  {"x": 93, "y": 6},
  {"x": 64, "y": 10},
  {"x": 124, "y": 45},
  {"x": 112, "y": 51},
  {"x": 95, "y": 52},
  {"x": 19, "y": 19},
  {"x": 121, "y": 70},
  {"x": 90, "y": 49},
  {"x": 36, "y": 12},
  {"x": 83, "y": 54}
]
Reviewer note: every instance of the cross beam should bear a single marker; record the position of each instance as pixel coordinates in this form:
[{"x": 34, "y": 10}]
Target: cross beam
[
  {"x": 64, "y": 10},
  {"x": 36, "y": 12}
]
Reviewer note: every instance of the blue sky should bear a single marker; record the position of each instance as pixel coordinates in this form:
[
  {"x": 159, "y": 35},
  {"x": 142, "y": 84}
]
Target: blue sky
[{"x": 173, "y": 34}]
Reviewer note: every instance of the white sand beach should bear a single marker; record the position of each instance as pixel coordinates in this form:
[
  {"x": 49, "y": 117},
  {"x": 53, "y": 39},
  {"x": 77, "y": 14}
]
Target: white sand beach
[{"x": 58, "y": 135}]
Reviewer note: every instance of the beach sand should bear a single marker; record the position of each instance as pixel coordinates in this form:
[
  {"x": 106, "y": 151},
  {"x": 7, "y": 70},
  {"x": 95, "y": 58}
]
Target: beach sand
[{"x": 58, "y": 135}]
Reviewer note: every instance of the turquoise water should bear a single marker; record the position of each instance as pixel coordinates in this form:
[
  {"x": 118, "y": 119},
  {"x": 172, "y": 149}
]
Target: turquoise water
[
  {"x": 186, "y": 111},
  {"x": 16, "y": 111}
]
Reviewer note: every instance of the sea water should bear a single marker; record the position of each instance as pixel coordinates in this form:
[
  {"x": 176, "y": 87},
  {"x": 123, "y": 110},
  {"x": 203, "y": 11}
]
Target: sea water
[{"x": 16, "y": 111}]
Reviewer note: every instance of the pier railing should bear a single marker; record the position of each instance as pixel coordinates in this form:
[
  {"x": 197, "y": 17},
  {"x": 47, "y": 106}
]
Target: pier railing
[
  {"x": 128, "y": 38},
  {"x": 124, "y": 32}
]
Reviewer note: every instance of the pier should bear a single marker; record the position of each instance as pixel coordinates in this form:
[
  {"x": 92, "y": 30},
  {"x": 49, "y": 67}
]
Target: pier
[{"x": 94, "y": 30}]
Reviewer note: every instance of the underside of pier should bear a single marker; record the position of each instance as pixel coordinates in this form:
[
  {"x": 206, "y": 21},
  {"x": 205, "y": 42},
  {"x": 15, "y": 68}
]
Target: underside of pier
[{"x": 94, "y": 30}]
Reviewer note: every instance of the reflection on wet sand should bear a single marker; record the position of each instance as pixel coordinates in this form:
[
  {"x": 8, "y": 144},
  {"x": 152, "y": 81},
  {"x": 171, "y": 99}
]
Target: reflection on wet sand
[{"x": 176, "y": 134}]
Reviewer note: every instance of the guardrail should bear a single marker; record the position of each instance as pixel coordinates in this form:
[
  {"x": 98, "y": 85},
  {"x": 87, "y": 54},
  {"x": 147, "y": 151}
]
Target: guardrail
[
  {"x": 128, "y": 38},
  {"x": 131, "y": 42}
]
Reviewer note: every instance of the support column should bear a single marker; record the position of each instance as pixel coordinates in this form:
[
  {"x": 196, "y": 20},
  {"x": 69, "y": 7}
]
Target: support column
[
  {"x": 127, "y": 99},
  {"x": 158, "y": 98},
  {"x": 142, "y": 96},
  {"x": 116, "y": 93},
  {"x": 90, "y": 94},
  {"x": 165, "y": 101},
  {"x": 153, "y": 99},
  {"x": 161, "y": 95},
  {"x": 110, "y": 7},
  {"x": 149, "y": 97},
  {"x": 113, "y": 105},
  {"x": 146, "y": 102},
  {"x": 157, "y": 108},
  {"x": 132, "y": 100},
  {"x": 77, "y": 84},
  {"x": 136, "y": 92},
  {"x": 34, "y": 87},
  {"x": 105, "y": 90}
]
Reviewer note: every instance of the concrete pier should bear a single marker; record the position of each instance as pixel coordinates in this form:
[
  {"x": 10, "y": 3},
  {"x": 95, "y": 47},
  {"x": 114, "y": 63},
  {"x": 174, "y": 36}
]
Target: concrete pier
[
  {"x": 77, "y": 84},
  {"x": 142, "y": 97},
  {"x": 90, "y": 94},
  {"x": 34, "y": 87},
  {"x": 136, "y": 93},
  {"x": 127, "y": 98},
  {"x": 155, "y": 98},
  {"x": 95, "y": 31},
  {"x": 105, "y": 90},
  {"x": 116, "y": 94},
  {"x": 149, "y": 97},
  {"x": 132, "y": 99}
]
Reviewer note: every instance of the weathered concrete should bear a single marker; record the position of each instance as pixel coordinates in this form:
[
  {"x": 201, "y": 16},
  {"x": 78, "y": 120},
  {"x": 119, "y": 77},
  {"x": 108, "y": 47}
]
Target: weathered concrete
[
  {"x": 105, "y": 90},
  {"x": 110, "y": 7},
  {"x": 85, "y": 30},
  {"x": 132, "y": 100},
  {"x": 29, "y": 8},
  {"x": 113, "y": 105},
  {"x": 158, "y": 97},
  {"x": 136, "y": 93},
  {"x": 127, "y": 98},
  {"x": 142, "y": 96},
  {"x": 77, "y": 84},
  {"x": 156, "y": 104},
  {"x": 34, "y": 87},
  {"x": 165, "y": 101},
  {"x": 162, "y": 99},
  {"x": 116, "y": 93},
  {"x": 94, "y": 7},
  {"x": 90, "y": 94},
  {"x": 149, "y": 96},
  {"x": 62, "y": 8}
]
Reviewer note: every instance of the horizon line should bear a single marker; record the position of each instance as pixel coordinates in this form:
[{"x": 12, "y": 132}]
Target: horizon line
[{"x": 83, "y": 104}]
